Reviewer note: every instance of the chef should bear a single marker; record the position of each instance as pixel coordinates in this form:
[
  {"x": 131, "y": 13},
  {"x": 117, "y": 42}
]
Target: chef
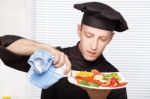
[{"x": 96, "y": 30}]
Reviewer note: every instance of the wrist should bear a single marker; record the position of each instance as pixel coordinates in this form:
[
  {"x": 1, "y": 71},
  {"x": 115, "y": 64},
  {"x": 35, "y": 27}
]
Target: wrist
[{"x": 48, "y": 48}]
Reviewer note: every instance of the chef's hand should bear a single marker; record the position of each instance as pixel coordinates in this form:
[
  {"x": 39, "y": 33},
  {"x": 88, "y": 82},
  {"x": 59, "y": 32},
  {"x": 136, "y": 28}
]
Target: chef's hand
[
  {"x": 97, "y": 94},
  {"x": 60, "y": 59},
  {"x": 28, "y": 47}
]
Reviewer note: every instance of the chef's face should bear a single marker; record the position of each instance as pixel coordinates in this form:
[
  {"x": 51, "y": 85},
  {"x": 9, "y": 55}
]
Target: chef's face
[{"x": 93, "y": 41}]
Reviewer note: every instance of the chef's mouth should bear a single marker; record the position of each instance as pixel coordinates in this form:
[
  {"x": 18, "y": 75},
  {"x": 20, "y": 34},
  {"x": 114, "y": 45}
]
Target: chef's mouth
[{"x": 91, "y": 53}]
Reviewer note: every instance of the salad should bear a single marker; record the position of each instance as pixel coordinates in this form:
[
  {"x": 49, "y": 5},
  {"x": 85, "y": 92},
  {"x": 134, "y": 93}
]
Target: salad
[{"x": 98, "y": 79}]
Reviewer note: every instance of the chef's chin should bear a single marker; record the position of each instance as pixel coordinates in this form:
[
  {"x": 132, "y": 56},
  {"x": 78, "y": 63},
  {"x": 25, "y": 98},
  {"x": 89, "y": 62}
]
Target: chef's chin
[{"x": 89, "y": 58}]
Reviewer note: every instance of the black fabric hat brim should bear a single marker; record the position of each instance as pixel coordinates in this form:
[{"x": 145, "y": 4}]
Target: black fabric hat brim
[{"x": 101, "y": 23}]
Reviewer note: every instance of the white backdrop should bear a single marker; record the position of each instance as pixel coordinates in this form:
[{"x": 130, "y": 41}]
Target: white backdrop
[
  {"x": 55, "y": 23},
  {"x": 15, "y": 19}
]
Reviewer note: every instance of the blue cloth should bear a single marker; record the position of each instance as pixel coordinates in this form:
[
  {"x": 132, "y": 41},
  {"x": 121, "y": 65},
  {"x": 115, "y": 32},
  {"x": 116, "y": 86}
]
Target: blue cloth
[{"x": 42, "y": 72}]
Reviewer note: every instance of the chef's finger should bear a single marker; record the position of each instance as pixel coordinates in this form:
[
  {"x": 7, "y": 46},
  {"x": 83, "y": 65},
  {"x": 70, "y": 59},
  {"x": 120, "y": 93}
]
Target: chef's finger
[
  {"x": 61, "y": 60},
  {"x": 68, "y": 65},
  {"x": 56, "y": 58}
]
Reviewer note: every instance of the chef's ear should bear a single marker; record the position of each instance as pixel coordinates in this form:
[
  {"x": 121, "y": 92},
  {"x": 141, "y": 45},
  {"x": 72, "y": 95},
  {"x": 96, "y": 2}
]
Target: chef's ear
[{"x": 79, "y": 28}]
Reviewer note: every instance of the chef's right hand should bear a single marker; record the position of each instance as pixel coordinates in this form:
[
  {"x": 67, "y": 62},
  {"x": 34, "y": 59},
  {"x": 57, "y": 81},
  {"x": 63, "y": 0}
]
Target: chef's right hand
[
  {"x": 60, "y": 59},
  {"x": 97, "y": 94}
]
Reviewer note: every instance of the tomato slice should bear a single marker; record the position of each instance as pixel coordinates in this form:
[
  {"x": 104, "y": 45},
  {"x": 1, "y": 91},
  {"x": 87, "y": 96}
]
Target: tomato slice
[
  {"x": 122, "y": 84},
  {"x": 105, "y": 84},
  {"x": 89, "y": 79},
  {"x": 113, "y": 85},
  {"x": 95, "y": 72}
]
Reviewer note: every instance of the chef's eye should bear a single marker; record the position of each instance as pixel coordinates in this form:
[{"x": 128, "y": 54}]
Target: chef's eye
[
  {"x": 88, "y": 35},
  {"x": 104, "y": 39}
]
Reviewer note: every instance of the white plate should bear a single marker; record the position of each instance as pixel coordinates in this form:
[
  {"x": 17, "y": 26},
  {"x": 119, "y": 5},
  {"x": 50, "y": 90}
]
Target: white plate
[{"x": 72, "y": 80}]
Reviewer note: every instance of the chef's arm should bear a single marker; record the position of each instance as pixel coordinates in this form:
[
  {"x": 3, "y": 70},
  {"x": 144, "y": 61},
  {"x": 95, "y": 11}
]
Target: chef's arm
[
  {"x": 9, "y": 58},
  {"x": 27, "y": 47},
  {"x": 20, "y": 46},
  {"x": 15, "y": 48}
]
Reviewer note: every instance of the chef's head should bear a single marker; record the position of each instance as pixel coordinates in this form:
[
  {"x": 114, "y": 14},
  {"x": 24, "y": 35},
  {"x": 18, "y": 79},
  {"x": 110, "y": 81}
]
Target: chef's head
[{"x": 96, "y": 29}]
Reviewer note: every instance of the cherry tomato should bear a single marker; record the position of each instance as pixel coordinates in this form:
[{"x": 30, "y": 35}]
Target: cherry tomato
[{"x": 113, "y": 80}]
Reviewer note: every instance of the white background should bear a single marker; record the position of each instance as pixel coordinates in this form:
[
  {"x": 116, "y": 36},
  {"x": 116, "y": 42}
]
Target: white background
[
  {"x": 15, "y": 18},
  {"x": 55, "y": 22}
]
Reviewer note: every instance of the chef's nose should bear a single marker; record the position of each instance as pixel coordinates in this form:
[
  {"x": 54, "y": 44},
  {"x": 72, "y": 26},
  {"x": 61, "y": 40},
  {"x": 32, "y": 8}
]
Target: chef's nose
[{"x": 94, "y": 44}]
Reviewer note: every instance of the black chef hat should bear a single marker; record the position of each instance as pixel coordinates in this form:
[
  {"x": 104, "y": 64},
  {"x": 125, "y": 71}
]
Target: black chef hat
[{"x": 102, "y": 16}]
